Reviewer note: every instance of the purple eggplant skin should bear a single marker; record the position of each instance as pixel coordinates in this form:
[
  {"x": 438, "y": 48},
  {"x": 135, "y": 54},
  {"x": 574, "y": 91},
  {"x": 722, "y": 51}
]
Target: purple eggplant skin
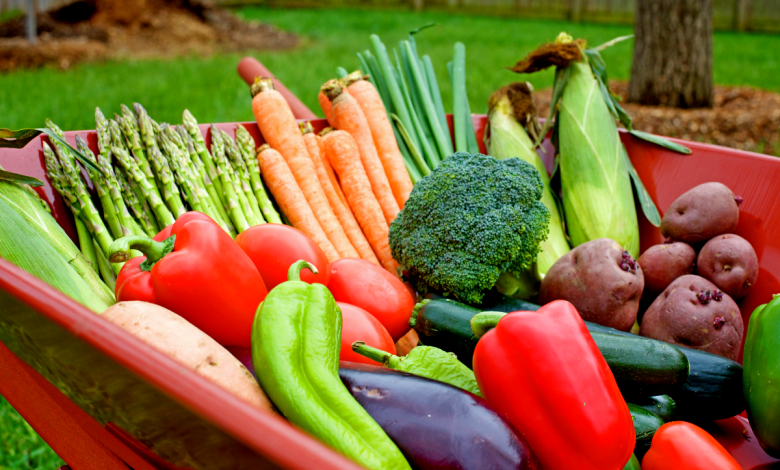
[{"x": 436, "y": 426}]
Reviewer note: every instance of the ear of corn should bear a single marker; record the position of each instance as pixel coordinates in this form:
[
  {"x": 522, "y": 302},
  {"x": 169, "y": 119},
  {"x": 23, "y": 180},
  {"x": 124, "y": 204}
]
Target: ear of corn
[
  {"x": 28, "y": 240},
  {"x": 508, "y": 139},
  {"x": 596, "y": 188},
  {"x": 31, "y": 239}
]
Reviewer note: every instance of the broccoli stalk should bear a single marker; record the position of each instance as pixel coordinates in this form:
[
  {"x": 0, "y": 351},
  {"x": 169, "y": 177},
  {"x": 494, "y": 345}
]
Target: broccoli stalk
[{"x": 472, "y": 219}]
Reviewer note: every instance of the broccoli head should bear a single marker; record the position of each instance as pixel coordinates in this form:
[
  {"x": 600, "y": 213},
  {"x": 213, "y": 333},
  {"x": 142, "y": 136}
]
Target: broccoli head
[{"x": 473, "y": 218}]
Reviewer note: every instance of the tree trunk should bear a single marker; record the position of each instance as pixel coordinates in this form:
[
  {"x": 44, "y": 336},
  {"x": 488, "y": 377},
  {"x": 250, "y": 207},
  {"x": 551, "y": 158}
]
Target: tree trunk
[{"x": 672, "y": 54}]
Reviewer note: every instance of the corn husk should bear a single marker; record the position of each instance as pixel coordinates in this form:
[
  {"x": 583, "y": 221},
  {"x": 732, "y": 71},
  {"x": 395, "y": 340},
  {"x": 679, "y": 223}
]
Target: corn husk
[
  {"x": 596, "y": 173},
  {"x": 31, "y": 239},
  {"x": 509, "y": 139},
  {"x": 595, "y": 184}
]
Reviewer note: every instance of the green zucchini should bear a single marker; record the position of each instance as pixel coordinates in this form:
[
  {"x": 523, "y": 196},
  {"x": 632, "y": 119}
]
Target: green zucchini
[
  {"x": 713, "y": 389},
  {"x": 662, "y": 405},
  {"x": 642, "y": 366},
  {"x": 646, "y": 423},
  {"x": 446, "y": 324}
]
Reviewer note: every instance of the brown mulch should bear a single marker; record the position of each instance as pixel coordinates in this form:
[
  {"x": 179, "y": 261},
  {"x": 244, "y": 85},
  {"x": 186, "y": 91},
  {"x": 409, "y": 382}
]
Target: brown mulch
[
  {"x": 742, "y": 117},
  {"x": 90, "y": 30}
]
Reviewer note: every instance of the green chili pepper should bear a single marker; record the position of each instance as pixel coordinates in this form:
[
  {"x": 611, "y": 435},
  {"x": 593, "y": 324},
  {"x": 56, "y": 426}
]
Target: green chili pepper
[
  {"x": 425, "y": 361},
  {"x": 296, "y": 340}
]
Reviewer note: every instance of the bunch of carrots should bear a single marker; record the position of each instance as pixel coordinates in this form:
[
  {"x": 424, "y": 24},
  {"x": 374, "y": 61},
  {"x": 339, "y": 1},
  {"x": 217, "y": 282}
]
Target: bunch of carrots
[{"x": 345, "y": 186}]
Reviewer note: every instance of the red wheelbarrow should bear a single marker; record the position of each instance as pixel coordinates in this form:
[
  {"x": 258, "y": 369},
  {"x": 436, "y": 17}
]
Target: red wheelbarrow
[{"x": 104, "y": 400}]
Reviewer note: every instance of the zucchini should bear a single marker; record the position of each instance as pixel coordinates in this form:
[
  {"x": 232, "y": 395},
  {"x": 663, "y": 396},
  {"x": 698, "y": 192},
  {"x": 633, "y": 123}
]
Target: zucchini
[
  {"x": 446, "y": 324},
  {"x": 713, "y": 389},
  {"x": 646, "y": 423},
  {"x": 662, "y": 405},
  {"x": 642, "y": 366}
]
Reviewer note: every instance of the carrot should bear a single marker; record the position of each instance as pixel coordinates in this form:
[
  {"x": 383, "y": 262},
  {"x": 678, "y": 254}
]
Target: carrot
[
  {"x": 325, "y": 105},
  {"x": 340, "y": 207},
  {"x": 349, "y": 117},
  {"x": 342, "y": 152},
  {"x": 329, "y": 169},
  {"x": 382, "y": 132},
  {"x": 281, "y": 182},
  {"x": 280, "y": 130}
]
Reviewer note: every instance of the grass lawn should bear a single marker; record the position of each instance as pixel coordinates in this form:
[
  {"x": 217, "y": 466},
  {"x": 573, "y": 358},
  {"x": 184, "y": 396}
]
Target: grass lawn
[
  {"x": 211, "y": 89},
  {"x": 20, "y": 447}
]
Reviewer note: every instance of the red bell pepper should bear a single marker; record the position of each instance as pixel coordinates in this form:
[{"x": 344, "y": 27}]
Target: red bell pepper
[
  {"x": 198, "y": 272},
  {"x": 680, "y": 445},
  {"x": 544, "y": 372}
]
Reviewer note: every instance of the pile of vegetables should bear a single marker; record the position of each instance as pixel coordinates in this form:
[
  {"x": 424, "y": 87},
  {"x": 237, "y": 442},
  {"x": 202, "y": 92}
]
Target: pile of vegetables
[{"x": 391, "y": 315}]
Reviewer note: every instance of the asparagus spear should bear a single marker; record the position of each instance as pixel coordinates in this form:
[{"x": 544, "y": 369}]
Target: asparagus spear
[
  {"x": 162, "y": 214},
  {"x": 109, "y": 211},
  {"x": 105, "y": 267},
  {"x": 133, "y": 140},
  {"x": 246, "y": 145},
  {"x": 205, "y": 181},
  {"x": 191, "y": 174},
  {"x": 180, "y": 173},
  {"x": 236, "y": 213},
  {"x": 141, "y": 212},
  {"x": 87, "y": 210},
  {"x": 242, "y": 179},
  {"x": 57, "y": 179},
  {"x": 200, "y": 146},
  {"x": 162, "y": 171}
]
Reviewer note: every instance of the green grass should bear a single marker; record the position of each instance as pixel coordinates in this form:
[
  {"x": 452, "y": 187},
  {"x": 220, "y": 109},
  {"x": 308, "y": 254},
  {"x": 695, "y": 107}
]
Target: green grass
[
  {"x": 211, "y": 89},
  {"x": 20, "y": 447}
]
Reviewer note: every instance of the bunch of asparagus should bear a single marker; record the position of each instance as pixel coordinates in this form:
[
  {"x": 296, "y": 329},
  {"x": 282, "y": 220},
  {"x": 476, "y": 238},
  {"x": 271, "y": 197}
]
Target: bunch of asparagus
[{"x": 150, "y": 174}]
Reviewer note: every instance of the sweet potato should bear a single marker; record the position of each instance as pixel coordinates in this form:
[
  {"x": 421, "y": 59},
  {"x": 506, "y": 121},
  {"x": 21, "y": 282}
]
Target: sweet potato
[
  {"x": 693, "y": 312},
  {"x": 662, "y": 264},
  {"x": 601, "y": 279},
  {"x": 174, "y": 336},
  {"x": 729, "y": 262},
  {"x": 701, "y": 213}
]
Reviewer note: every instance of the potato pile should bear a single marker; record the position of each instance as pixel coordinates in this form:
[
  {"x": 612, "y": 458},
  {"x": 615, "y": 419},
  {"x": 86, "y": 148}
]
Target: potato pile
[
  {"x": 699, "y": 311},
  {"x": 690, "y": 282}
]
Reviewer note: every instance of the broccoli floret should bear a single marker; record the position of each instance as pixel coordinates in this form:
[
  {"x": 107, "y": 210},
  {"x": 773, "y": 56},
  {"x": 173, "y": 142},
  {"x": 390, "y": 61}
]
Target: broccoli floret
[{"x": 471, "y": 219}]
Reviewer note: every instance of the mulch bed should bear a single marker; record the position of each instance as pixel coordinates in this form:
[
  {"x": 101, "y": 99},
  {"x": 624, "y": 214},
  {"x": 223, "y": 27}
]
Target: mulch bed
[
  {"x": 91, "y": 30},
  {"x": 742, "y": 118}
]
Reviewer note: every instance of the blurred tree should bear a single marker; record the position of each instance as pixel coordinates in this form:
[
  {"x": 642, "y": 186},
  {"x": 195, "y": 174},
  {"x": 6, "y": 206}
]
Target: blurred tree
[{"x": 672, "y": 54}]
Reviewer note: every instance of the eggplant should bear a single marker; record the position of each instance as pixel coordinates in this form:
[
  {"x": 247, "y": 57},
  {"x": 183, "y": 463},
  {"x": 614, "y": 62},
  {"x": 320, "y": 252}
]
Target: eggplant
[{"x": 436, "y": 426}]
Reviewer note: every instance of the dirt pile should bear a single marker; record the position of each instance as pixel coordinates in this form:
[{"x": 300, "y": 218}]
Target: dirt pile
[
  {"x": 742, "y": 118},
  {"x": 99, "y": 29}
]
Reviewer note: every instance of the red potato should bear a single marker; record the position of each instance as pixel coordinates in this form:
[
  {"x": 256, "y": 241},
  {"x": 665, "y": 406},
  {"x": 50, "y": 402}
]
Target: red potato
[
  {"x": 359, "y": 325},
  {"x": 701, "y": 213},
  {"x": 180, "y": 340},
  {"x": 662, "y": 264},
  {"x": 729, "y": 262},
  {"x": 358, "y": 282},
  {"x": 693, "y": 312},
  {"x": 602, "y": 281}
]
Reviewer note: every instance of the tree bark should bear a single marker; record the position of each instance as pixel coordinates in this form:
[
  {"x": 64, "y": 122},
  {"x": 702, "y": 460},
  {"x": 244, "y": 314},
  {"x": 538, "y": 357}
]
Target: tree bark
[
  {"x": 672, "y": 54},
  {"x": 742, "y": 14}
]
